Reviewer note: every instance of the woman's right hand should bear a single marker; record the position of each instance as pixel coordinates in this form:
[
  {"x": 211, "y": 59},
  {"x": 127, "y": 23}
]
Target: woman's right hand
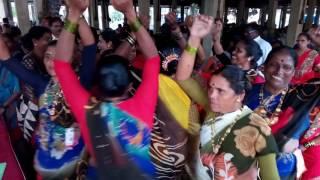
[
  {"x": 4, "y": 51},
  {"x": 123, "y": 6},
  {"x": 217, "y": 29},
  {"x": 172, "y": 20},
  {"x": 201, "y": 26}
]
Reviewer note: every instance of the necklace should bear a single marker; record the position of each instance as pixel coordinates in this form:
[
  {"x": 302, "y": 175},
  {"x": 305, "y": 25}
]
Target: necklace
[
  {"x": 52, "y": 97},
  {"x": 262, "y": 109},
  {"x": 216, "y": 145}
]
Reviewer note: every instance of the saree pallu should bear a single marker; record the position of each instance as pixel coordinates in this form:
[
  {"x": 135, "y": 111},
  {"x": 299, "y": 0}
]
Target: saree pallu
[{"x": 175, "y": 120}]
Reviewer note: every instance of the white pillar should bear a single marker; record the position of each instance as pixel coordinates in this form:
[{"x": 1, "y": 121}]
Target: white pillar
[
  {"x": 144, "y": 6},
  {"x": 273, "y": 5},
  {"x": 294, "y": 26},
  {"x": 38, "y": 9},
  {"x": 23, "y": 15}
]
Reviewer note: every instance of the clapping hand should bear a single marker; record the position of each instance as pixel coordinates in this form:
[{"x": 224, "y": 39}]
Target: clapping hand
[
  {"x": 201, "y": 26},
  {"x": 77, "y": 6},
  {"x": 217, "y": 29},
  {"x": 123, "y": 6}
]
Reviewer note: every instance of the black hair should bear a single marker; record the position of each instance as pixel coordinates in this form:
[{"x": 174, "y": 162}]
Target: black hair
[
  {"x": 236, "y": 77},
  {"x": 15, "y": 31},
  {"x": 285, "y": 49},
  {"x": 36, "y": 32},
  {"x": 110, "y": 35},
  {"x": 305, "y": 35},
  {"x": 54, "y": 19},
  {"x": 112, "y": 76},
  {"x": 253, "y": 50}
]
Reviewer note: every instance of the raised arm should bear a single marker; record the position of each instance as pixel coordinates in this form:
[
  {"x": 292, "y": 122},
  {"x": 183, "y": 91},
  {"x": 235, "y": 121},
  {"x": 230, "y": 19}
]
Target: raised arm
[
  {"x": 144, "y": 40},
  {"x": 88, "y": 54},
  {"x": 147, "y": 93},
  {"x": 201, "y": 27},
  {"x": 216, "y": 37}
]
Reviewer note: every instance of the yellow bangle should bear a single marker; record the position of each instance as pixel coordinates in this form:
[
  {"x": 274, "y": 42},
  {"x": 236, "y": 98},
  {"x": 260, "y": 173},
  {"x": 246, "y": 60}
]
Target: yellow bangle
[
  {"x": 70, "y": 26},
  {"x": 135, "y": 25},
  {"x": 191, "y": 50}
]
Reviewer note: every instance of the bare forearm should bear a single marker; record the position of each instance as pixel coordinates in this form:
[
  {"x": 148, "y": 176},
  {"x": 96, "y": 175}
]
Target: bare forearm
[
  {"x": 144, "y": 40},
  {"x": 85, "y": 32},
  {"x": 186, "y": 64},
  {"x": 65, "y": 43}
]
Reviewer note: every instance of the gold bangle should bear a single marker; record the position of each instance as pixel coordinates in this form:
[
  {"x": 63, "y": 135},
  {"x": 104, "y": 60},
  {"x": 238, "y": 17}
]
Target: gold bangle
[
  {"x": 135, "y": 25},
  {"x": 191, "y": 50},
  {"x": 70, "y": 26}
]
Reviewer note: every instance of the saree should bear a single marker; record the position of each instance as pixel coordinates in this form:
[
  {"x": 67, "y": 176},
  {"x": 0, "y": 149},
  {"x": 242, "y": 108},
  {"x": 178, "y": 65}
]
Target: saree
[
  {"x": 245, "y": 138},
  {"x": 311, "y": 154},
  {"x": 304, "y": 70}
]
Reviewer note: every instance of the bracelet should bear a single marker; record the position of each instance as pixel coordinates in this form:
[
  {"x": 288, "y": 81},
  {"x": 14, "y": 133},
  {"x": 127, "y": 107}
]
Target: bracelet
[
  {"x": 191, "y": 50},
  {"x": 135, "y": 25},
  {"x": 70, "y": 26},
  {"x": 309, "y": 144},
  {"x": 131, "y": 40}
]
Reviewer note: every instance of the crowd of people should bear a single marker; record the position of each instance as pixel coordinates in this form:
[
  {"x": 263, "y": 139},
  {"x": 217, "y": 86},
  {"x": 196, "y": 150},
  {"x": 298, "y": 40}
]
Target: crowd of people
[{"x": 135, "y": 104}]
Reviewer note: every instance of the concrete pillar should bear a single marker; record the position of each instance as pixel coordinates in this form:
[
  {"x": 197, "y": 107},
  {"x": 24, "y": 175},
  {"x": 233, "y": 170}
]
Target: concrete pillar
[
  {"x": 294, "y": 25},
  {"x": 310, "y": 13},
  {"x": 4, "y": 9},
  {"x": 273, "y": 5},
  {"x": 39, "y": 10},
  {"x": 93, "y": 14},
  {"x": 105, "y": 14},
  {"x": 23, "y": 15},
  {"x": 157, "y": 15},
  {"x": 215, "y": 9},
  {"x": 144, "y": 7},
  {"x": 241, "y": 11}
]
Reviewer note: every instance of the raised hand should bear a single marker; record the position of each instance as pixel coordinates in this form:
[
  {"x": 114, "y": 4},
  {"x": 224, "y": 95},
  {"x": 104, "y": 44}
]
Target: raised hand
[
  {"x": 144, "y": 21},
  {"x": 123, "y": 6},
  {"x": 201, "y": 26},
  {"x": 4, "y": 51},
  {"x": 78, "y": 6},
  {"x": 172, "y": 20},
  {"x": 217, "y": 28}
]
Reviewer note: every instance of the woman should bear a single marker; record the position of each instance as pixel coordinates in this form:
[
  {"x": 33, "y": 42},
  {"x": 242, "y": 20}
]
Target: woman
[
  {"x": 222, "y": 152},
  {"x": 59, "y": 145},
  {"x": 245, "y": 54},
  {"x": 285, "y": 108},
  {"x": 35, "y": 42},
  {"x": 115, "y": 120},
  {"x": 307, "y": 61}
]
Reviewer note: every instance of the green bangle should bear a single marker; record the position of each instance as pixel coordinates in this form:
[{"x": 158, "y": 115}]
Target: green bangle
[
  {"x": 135, "y": 25},
  {"x": 70, "y": 26},
  {"x": 191, "y": 50}
]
